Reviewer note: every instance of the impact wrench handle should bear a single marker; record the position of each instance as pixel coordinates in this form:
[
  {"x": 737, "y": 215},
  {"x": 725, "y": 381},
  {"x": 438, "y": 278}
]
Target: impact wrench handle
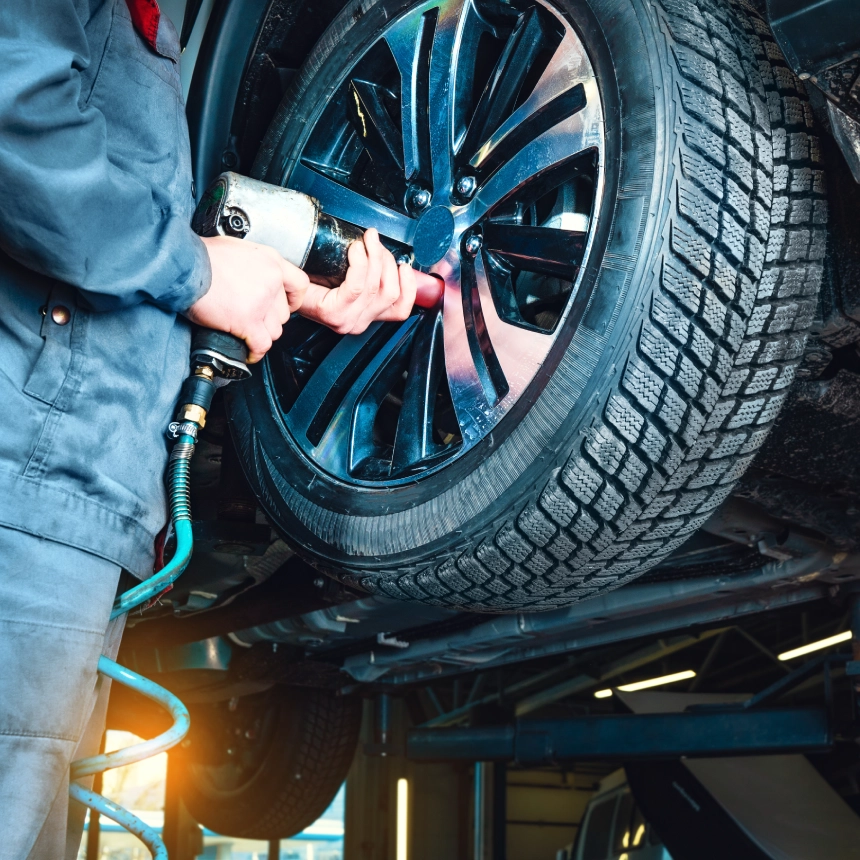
[{"x": 293, "y": 224}]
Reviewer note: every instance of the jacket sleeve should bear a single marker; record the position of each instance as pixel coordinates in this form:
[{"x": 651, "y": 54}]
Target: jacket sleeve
[{"x": 66, "y": 210}]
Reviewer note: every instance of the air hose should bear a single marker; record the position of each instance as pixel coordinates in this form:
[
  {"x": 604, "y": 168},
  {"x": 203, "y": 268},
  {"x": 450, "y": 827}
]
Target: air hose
[
  {"x": 211, "y": 360},
  {"x": 178, "y": 489}
]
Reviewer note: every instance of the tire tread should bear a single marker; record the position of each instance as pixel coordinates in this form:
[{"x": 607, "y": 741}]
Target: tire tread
[{"x": 721, "y": 342}]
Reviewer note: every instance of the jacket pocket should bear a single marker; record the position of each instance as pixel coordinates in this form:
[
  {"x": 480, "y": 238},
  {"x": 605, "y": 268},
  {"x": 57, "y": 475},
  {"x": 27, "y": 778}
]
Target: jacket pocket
[
  {"x": 52, "y": 367},
  {"x": 139, "y": 93},
  {"x": 126, "y": 53}
]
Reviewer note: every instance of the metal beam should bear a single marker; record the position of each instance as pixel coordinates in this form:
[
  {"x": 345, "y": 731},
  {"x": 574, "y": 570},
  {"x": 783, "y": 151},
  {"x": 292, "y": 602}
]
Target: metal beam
[
  {"x": 457, "y": 714},
  {"x": 783, "y": 667},
  {"x": 627, "y": 613},
  {"x": 637, "y": 659},
  {"x": 709, "y": 660},
  {"x": 629, "y": 736}
]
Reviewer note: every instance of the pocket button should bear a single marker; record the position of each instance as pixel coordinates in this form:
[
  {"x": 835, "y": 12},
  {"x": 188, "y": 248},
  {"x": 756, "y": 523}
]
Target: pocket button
[{"x": 60, "y": 314}]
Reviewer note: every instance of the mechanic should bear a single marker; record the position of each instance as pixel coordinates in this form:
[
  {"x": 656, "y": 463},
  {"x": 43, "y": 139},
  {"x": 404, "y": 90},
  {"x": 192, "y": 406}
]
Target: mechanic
[{"x": 100, "y": 274}]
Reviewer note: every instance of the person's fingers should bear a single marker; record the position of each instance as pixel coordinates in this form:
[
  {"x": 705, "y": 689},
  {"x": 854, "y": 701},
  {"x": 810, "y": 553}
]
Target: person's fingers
[
  {"x": 408, "y": 288},
  {"x": 273, "y": 326},
  {"x": 356, "y": 275},
  {"x": 281, "y": 307},
  {"x": 374, "y": 289},
  {"x": 393, "y": 303},
  {"x": 390, "y": 288},
  {"x": 295, "y": 283},
  {"x": 371, "y": 301},
  {"x": 321, "y": 305},
  {"x": 375, "y": 260},
  {"x": 314, "y": 296},
  {"x": 356, "y": 255},
  {"x": 259, "y": 342}
]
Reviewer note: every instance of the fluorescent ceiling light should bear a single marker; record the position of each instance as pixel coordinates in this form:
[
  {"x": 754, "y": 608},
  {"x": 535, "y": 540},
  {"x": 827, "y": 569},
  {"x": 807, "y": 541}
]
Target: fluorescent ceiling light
[
  {"x": 402, "y": 843},
  {"x": 651, "y": 682},
  {"x": 815, "y": 646}
]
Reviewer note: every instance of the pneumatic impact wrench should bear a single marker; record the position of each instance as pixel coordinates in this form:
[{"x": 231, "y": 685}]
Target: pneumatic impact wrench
[{"x": 294, "y": 225}]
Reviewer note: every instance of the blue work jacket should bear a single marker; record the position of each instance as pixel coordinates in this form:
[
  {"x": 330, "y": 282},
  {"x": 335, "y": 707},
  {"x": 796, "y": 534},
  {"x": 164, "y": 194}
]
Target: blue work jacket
[{"x": 96, "y": 260}]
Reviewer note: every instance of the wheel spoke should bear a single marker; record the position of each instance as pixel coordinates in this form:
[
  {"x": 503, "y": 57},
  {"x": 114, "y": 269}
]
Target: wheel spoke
[
  {"x": 378, "y": 134},
  {"x": 349, "y": 205},
  {"x": 414, "y": 440},
  {"x": 410, "y": 42},
  {"x": 330, "y": 417},
  {"x": 502, "y": 90},
  {"x": 472, "y": 406},
  {"x": 326, "y": 389},
  {"x": 559, "y": 93},
  {"x": 367, "y": 395},
  {"x": 452, "y": 17},
  {"x": 481, "y": 345},
  {"x": 519, "y": 351},
  {"x": 544, "y": 250},
  {"x": 523, "y": 127},
  {"x": 473, "y": 27},
  {"x": 552, "y": 149}
]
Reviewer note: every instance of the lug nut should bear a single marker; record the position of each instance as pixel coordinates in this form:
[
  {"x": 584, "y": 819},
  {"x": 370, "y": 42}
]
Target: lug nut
[
  {"x": 473, "y": 244},
  {"x": 466, "y": 186},
  {"x": 419, "y": 198}
]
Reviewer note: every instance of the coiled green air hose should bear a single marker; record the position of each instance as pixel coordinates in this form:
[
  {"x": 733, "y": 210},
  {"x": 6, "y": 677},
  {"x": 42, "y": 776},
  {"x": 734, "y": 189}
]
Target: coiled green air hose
[{"x": 179, "y": 493}]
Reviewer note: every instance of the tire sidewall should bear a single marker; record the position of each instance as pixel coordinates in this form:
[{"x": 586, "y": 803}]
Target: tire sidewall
[{"x": 341, "y": 525}]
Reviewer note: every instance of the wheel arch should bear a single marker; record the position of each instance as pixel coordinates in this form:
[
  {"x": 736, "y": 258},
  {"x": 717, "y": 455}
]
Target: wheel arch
[{"x": 218, "y": 104}]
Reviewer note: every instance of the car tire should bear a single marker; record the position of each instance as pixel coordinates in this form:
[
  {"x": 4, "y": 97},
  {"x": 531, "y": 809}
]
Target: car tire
[
  {"x": 271, "y": 766},
  {"x": 673, "y": 362}
]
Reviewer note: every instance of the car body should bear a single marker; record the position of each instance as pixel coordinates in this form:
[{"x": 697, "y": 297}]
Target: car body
[
  {"x": 263, "y": 608},
  {"x": 613, "y": 826}
]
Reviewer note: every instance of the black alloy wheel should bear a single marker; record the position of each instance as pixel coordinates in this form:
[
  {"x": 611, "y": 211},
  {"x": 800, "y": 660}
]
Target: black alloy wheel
[
  {"x": 495, "y": 188},
  {"x": 625, "y": 202}
]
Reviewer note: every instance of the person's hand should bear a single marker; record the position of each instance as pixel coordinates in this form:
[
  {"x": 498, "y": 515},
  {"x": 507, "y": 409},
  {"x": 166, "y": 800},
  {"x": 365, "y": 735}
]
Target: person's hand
[
  {"x": 254, "y": 290},
  {"x": 375, "y": 288}
]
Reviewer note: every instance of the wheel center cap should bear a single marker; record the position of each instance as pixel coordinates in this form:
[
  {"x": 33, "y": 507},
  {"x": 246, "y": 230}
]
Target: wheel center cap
[{"x": 433, "y": 235}]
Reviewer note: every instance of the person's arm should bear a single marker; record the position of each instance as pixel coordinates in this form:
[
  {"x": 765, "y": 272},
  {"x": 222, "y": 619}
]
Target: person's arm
[
  {"x": 73, "y": 215},
  {"x": 67, "y": 211}
]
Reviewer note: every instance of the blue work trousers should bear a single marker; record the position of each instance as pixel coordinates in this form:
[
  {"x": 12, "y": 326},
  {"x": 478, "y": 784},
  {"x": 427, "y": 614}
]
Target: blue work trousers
[{"x": 55, "y": 603}]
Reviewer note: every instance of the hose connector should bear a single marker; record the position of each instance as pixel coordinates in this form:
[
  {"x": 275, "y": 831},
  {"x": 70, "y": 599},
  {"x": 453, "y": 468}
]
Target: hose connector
[
  {"x": 217, "y": 358},
  {"x": 196, "y": 396}
]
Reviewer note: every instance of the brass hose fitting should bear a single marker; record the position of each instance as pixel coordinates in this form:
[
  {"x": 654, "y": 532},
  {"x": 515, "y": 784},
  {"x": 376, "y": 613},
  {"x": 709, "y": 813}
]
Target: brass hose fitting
[{"x": 197, "y": 393}]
